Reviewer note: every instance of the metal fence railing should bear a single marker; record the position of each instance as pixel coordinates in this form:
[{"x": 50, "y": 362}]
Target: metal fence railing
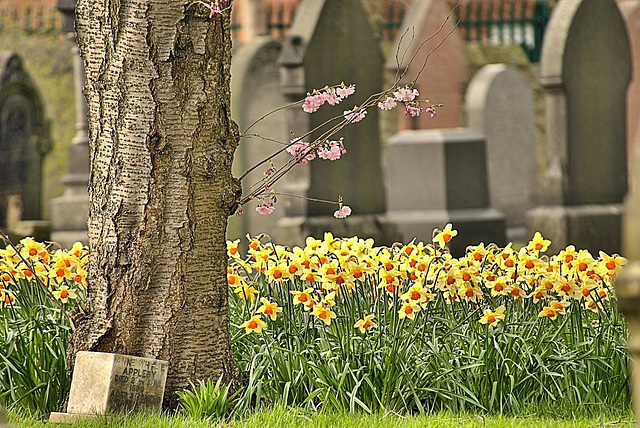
[
  {"x": 31, "y": 18},
  {"x": 500, "y": 22}
]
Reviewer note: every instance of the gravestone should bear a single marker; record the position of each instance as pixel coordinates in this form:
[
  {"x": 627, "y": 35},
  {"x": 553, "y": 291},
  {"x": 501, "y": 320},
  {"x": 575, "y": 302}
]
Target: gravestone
[
  {"x": 106, "y": 383},
  {"x": 330, "y": 42},
  {"x": 24, "y": 139},
  {"x": 499, "y": 105},
  {"x": 446, "y": 73},
  {"x": 585, "y": 70},
  {"x": 255, "y": 91},
  {"x": 437, "y": 177}
]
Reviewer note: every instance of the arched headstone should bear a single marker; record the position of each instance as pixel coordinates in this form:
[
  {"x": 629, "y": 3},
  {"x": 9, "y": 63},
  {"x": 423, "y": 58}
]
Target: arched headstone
[
  {"x": 255, "y": 91},
  {"x": 24, "y": 139},
  {"x": 585, "y": 72},
  {"x": 499, "y": 105}
]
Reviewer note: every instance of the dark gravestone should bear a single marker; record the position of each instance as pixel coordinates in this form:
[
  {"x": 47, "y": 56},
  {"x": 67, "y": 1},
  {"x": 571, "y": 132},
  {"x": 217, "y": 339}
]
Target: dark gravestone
[
  {"x": 330, "y": 42},
  {"x": 585, "y": 72},
  {"x": 24, "y": 139}
]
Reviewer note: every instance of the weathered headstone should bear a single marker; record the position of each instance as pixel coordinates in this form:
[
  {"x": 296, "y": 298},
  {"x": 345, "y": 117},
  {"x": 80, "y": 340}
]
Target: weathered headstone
[
  {"x": 256, "y": 91},
  {"x": 24, "y": 138},
  {"x": 110, "y": 383},
  {"x": 437, "y": 177},
  {"x": 446, "y": 73},
  {"x": 584, "y": 71},
  {"x": 499, "y": 105},
  {"x": 331, "y": 42}
]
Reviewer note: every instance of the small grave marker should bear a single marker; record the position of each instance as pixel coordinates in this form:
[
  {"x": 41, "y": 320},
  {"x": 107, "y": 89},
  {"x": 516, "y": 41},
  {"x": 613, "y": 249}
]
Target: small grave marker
[{"x": 111, "y": 383}]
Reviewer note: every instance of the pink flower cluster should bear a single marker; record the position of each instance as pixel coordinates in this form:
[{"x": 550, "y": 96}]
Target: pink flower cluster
[
  {"x": 331, "y": 151},
  {"x": 332, "y": 96},
  {"x": 343, "y": 212},
  {"x": 300, "y": 150},
  {"x": 355, "y": 115},
  {"x": 408, "y": 96}
]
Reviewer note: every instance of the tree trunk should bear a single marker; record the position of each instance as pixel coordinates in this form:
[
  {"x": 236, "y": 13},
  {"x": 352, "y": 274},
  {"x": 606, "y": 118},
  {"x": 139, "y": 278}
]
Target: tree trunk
[{"x": 161, "y": 188}]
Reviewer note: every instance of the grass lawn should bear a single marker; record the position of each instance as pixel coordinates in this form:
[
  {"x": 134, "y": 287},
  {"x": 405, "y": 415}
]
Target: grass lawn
[{"x": 289, "y": 418}]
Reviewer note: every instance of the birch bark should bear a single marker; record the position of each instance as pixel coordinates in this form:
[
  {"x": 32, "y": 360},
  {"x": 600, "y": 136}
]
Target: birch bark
[{"x": 161, "y": 189}]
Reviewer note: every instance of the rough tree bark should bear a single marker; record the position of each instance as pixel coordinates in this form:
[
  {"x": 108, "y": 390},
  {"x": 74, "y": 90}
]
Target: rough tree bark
[{"x": 161, "y": 189}]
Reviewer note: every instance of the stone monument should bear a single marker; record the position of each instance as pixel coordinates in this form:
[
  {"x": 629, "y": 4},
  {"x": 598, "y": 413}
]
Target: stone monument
[
  {"x": 24, "y": 141},
  {"x": 499, "y": 105},
  {"x": 437, "y": 177},
  {"x": 106, "y": 383},
  {"x": 69, "y": 213},
  {"x": 585, "y": 70}
]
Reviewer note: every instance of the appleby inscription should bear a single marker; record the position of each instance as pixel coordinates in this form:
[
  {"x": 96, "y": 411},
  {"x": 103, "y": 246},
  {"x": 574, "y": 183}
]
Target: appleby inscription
[{"x": 138, "y": 383}]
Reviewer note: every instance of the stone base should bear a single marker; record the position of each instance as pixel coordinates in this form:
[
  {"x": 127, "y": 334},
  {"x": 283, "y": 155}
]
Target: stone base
[
  {"x": 66, "y": 238},
  {"x": 69, "y": 215},
  {"x": 592, "y": 227},
  {"x": 67, "y": 418},
  {"x": 294, "y": 230},
  {"x": 40, "y": 230},
  {"x": 473, "y": 226}
]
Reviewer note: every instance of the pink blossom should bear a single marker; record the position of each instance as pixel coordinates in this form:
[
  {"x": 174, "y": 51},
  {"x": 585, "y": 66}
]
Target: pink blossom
[
  {"x": 431, "y": 111},
  {"x": 344, "y": 92},
  {"x": 331, "y": 152},
  {"x": 387, "y": 104},
  {"x": 313, "y": 102},
  {"x": 332, "y": 98},
  {"x": 300, "y": 151},
  {"x": 354, "y": 115},
  {"x": 214, "y": 9},
  {"x": 413, "y": 110},
  {"x": 343, "y": 212},
  {"x": 265, "y": 208},
  {"x": 239, "y": 212},
  {"x": 405, "y": 94}
]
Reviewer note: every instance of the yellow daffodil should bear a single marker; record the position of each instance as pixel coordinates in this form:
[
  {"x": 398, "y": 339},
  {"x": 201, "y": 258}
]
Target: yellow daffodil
[
  {"x": 325, "y": 314},
  {"x": 65, "y": 293},
  {"x": 254, "y": 325},
  {"x": 269, "y": 309},
  {"x": 493, "y": 317},
  {"x": 365, "y": 324},
  {"x": 444, "y": 236},
  {"x": 538, "y": 244},
  {"x": 408, "y": 310}
]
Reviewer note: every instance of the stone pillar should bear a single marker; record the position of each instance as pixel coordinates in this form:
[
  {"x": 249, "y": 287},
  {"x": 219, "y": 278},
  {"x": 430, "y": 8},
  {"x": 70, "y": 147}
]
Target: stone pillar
[
  {"x": 254, "y": 22},
  {"x": 69, "y": 213}
]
